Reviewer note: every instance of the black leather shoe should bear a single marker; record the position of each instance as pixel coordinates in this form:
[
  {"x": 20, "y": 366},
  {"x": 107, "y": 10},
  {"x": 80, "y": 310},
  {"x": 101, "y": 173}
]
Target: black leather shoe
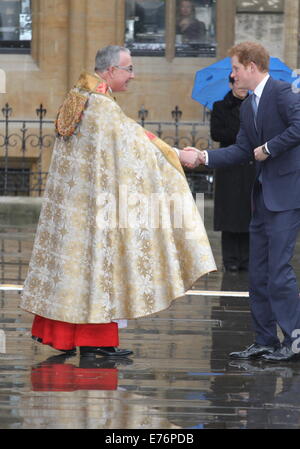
[
  {"x": 106, "y": 351},
  {"x": 252, "y": 352},
  {"x": 68, "y": 352},
  {"x": 246, "y": 365},
  {"x": 58, "y": 359},
  {"x": 283, "y": 354},
  {"x": 257, "y": 367},
  {"x": 104, "y": 362}
]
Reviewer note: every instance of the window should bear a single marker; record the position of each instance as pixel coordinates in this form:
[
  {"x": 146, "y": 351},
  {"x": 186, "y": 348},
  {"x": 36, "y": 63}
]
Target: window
[
  {"x": 192, "y": 23},
  {"x": 195, "y": 28},
  {"x": 14, "y": 181},
  {"x": 15, "y": 26},
  {"x": 145, "y": 27},
  {"x": 261, "y": 21}
]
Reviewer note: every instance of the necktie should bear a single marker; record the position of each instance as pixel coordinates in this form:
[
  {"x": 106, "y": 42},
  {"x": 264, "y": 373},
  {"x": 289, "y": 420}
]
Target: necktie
[{"x": 254, "y": 107}]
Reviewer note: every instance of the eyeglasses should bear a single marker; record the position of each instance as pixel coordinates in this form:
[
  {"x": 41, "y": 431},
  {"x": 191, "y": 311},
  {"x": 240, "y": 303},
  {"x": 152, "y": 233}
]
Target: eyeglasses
[{"x": 128, "y": 68}]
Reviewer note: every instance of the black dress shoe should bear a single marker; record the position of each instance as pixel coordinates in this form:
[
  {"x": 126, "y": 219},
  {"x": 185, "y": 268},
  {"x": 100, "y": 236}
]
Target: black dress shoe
[
  {"x": 55, "y": 360},
  {"x": 106, "y": 351},
  {"x": 252, "y": 352},
  {"x": 68, "y": 352},
  {"x": 104, "y": 362},
  {"x": 283, "y": 354},
  {"x": 248, "y": 365}
]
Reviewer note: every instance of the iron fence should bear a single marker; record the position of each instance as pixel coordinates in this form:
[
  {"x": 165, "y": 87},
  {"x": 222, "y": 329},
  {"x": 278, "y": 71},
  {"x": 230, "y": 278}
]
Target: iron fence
[
  {"x": 24, "y": 144},
  {"x": 27, "y": 145}
]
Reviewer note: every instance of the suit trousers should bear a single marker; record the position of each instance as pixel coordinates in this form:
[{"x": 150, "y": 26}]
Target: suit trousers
[{"x": 274, "y": 293}]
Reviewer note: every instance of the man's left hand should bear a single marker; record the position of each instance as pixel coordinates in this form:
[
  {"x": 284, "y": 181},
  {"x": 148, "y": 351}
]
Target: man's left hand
[{"x": 260, "y": 155}]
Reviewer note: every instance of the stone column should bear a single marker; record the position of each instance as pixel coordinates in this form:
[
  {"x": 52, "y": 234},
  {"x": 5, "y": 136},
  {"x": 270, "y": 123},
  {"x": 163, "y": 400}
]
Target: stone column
[
  {"x": 291, "y": 32},
  {"x": 77, "y": 40},
  {"x": 35, "y": 43},
  {"x": 225, "y": 26},
  {"x": 105, "y": 26},
  {"x": 170, "y": 30}
]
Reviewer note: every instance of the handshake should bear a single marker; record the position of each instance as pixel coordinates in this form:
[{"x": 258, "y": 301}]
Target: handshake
[{"x": 191, "y": 157}]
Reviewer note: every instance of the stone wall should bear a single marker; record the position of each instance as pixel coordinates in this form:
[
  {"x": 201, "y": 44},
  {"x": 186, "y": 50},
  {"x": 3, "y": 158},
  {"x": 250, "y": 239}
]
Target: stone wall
[{"x": 67, "y": 34}]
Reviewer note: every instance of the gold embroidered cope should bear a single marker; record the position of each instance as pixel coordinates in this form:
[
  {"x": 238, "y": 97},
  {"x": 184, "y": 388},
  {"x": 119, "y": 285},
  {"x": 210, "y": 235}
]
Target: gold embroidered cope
[{"x": 97, "y": 256}]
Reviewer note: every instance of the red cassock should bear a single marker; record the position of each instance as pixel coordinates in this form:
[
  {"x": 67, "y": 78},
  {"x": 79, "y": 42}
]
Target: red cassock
[
  {"x": 62, "y": 335},
  {"x": 67, "y": 377}
]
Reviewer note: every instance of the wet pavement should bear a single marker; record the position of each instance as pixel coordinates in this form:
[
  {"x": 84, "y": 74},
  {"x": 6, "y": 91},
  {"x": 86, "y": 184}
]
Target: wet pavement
[{"x": 180, "y": 376}]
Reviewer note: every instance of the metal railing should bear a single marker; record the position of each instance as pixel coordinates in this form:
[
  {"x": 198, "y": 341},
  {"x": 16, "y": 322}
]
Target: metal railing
[
  {"x": 27, "y": 145},
  {"x": 23, "y": 144}
]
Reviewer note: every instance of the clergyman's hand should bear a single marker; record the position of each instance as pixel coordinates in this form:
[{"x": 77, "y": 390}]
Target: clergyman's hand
[
  {"x": 189, "y": 159},
  {"x": 201, "y": 155}
]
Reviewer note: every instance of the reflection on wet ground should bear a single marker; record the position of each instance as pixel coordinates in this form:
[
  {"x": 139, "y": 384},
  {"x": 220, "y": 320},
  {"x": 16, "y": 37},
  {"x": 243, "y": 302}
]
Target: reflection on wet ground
[{"x": 180, "y": 376}]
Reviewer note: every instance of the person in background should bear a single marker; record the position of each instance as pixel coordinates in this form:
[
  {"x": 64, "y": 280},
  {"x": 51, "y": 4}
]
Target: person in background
[
  {"x": 190, "y": 28},
  {"x": 233, "y": 185}
]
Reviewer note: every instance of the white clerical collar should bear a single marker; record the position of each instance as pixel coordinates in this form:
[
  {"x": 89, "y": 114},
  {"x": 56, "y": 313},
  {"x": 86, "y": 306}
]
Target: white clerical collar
[{"x": 260, "y": 87}]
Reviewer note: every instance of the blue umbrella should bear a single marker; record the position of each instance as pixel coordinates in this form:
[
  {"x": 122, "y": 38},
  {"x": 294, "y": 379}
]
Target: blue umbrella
[{"x": 212, "y": 84}]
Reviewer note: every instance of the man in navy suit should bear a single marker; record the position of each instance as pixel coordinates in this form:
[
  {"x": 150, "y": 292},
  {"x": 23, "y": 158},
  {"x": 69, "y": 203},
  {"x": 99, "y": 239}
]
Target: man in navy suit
[{"x": 269, "y": 133}]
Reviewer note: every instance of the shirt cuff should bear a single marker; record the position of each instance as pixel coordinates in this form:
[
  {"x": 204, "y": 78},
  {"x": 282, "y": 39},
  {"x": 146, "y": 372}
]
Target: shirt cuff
[
  {"x": 206, "y": 157},
  {"x": 266, "y": 146}
]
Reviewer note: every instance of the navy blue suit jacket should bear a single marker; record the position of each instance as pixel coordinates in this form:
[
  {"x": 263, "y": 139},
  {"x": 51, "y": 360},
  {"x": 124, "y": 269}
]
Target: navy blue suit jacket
[{"x": 278, "y": 124}]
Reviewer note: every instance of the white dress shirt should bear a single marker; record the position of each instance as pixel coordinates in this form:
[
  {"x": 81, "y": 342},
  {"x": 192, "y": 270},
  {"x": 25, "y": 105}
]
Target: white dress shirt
[{"x": 260, "y": 87}]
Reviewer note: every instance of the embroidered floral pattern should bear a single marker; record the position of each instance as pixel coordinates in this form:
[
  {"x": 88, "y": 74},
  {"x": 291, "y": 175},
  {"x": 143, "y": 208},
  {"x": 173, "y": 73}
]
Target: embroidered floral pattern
[
  {"x": 70, "y": 113},
  {"x": 89, "y": 263}
]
